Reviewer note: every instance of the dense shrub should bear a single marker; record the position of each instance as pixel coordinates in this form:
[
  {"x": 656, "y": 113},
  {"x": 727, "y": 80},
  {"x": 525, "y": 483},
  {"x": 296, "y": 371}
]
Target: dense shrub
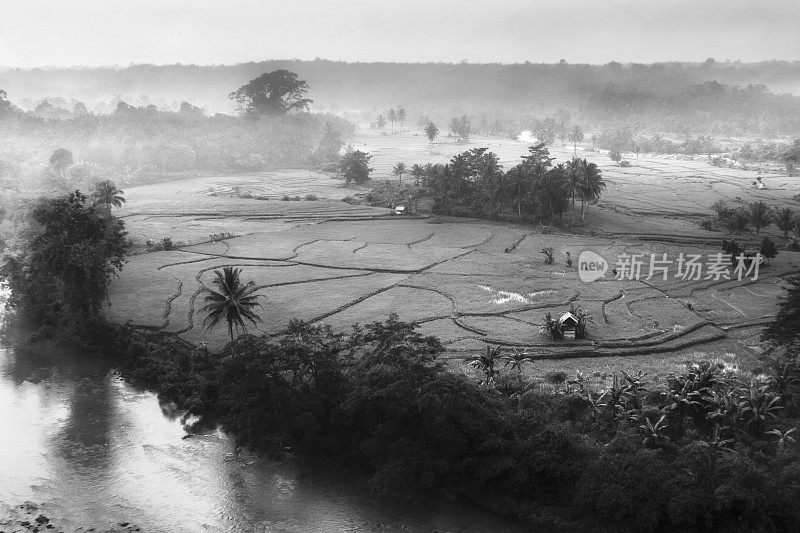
[
  {"x": 626, "y": 487},
  {"x": 379, "y": 401}
]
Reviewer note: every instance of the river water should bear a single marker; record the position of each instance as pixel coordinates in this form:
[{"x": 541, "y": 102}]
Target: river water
[{"x": 91, "y": 451}]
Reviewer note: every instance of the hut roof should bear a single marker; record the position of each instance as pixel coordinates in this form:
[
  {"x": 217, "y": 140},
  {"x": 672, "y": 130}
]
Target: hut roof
[{"x": 568, "y": 319}]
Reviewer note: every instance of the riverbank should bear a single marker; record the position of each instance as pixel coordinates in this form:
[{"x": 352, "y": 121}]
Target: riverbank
[
  {"x": 85, "y": 449},
  {"x": 380, "y": 403}
]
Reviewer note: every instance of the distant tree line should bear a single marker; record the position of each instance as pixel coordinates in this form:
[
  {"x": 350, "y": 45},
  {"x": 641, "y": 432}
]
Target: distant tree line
[{"x": 137, "y": 144}]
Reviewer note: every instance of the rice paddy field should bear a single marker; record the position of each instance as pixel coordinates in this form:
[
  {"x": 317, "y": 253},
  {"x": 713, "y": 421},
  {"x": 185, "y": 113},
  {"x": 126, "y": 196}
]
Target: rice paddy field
[{"x": 469, "y": 282}]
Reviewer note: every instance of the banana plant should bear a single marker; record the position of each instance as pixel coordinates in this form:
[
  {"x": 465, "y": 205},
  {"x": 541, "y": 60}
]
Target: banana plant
[
  {"x": 654, "y": 433},
  {"x": 785, "y": 376},
  {"x": 726, "y": 408},
  {"x": 784, "y": 437},
  {"x": 717, "y": 442},
  {"x": 758, "y": 407},
  {"x": 632, "y": 387}
]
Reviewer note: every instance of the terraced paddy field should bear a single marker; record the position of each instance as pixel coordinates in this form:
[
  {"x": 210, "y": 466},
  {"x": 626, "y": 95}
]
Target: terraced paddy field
[{"x": 469, "y": 282}]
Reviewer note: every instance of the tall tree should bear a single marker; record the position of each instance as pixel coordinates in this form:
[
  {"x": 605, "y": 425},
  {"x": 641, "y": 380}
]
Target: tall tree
[
  {"x": 760, "y": 216},
  {"x": 461, "y": 128},
  {"x": 355, "y": 165},
  {"x": 61, "y": 159},
  {"x": 399, "y": 169},
  {"x": 785, "y": 220},
  {"x": 517, "y": 185},
  {"x": 331, "y": 142},
  {"x": 106, "y": 193},
  {"x": 575, "y": 136},
  {"x": 551, "y": 193},
  {"x": 380, "y": 123},
  {"x": 272, "y": 93},
  {"x": 233, "y": 300},
  {"x": 431, "y": 132},
  {"x": 573, "y": 170},
  {"x": 592, "y": 185},
  {"x": 402, "y": 116},
  {"x": 392, "y": 116},
  {"x": 63, "y": 270},
  {"x": 418, "y": 171},
  {"x": 546, "y": 130}
]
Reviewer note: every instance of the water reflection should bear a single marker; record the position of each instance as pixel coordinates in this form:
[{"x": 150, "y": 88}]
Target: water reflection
[{"x": 93, "y": 452}]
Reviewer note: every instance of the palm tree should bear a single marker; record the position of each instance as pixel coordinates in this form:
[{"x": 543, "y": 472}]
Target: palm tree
[
  {"x": 417, "y": 171},
  {"x": 402, "y": 115},
  {"x": 575, "y": 136},
  {"x": 431, "y": 132},
  {"x": 442, "y": 182},
  {"x": 392, "y": 116},
  {"x": 233, "y": 300},
  {"x": 517, "y": 184},
  {"x": 381, "y": 122},
  {"x": 760, "y": 216},
  {"x": 487, "y": 362},
  {"x": 398, "y": 170},
  {"x": 106, "y": 192},
  {"x": 551, "y": 193},
  {"x": 574, "y": 180},
  {"x": 785, "y": 220},
  {"x": 516, "y": 360},
  {"x": 592, "y": 185}
]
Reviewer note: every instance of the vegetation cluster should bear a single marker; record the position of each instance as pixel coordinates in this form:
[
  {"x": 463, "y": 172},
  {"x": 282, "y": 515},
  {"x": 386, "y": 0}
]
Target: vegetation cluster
[
  {"x": 60, "y": 260},
  {"x": 473, "y": 183},
  {"x": 133, "y": 145},
  {"x": 709, "y": 450}
]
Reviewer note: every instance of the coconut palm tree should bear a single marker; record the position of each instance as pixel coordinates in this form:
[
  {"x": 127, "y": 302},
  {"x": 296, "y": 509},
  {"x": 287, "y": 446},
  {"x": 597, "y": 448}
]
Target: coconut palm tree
[
  {"x": 233, "y": 300},
  {"x": 431, "y": 132},
  {"x": 392, "y": 116},
  {"x": 399, "y": 169},
  {"x": 574, "y": 180},
  {"x": 442, "y": 184},
  {"x": 785, "y": 220},
  {"x": 106, "y": 192},
  {"x": 402, "y": 115},
  {"x": 575, "y": 136},
  {"x": 518, "y": 185},
  {"x": 760, "y": 215},
  {"x": 417, "y": 171},
  {"x": 592, "y": 185}
]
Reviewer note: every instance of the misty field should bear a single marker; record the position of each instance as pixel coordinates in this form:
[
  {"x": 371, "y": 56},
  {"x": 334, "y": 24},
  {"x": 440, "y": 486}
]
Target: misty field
[{"x": 469, "y": 282}]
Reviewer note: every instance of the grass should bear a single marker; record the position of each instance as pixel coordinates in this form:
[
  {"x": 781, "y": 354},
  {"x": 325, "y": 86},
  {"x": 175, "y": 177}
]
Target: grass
[{"x": 453, "y": 262}]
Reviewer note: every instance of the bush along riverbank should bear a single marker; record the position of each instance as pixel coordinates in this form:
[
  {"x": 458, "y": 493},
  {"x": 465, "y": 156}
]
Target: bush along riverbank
[{"x": 708, "y": 452}]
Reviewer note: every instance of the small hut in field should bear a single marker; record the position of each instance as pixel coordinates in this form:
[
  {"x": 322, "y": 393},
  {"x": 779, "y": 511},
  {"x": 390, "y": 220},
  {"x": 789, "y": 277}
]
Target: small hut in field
[{"x": 569, "y": 325}]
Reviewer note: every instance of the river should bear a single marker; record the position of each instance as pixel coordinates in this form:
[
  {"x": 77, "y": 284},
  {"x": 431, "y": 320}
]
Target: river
[{"x": 91, "y": 451}]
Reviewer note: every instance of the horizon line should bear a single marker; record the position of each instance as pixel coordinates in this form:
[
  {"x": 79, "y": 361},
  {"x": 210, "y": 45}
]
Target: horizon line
[{"x": 464, "y": 62}]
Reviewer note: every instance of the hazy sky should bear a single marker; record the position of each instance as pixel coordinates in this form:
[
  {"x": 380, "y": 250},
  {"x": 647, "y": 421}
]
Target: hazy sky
[{"x": 120, "y": 32}]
